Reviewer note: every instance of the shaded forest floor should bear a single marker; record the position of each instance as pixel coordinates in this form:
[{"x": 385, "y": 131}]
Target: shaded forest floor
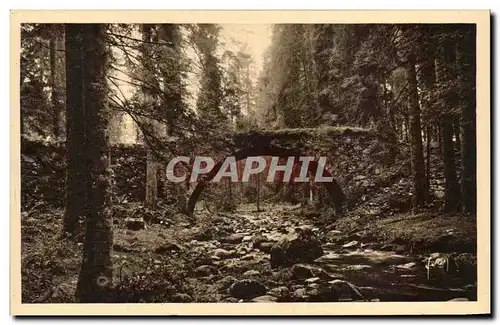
[{"x": 370, "y": 254}]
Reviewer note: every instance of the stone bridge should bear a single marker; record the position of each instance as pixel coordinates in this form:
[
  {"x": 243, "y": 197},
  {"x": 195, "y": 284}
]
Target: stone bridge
[
  {"x": 353, "y": 155},
  {"x": 356, "y": 158}
]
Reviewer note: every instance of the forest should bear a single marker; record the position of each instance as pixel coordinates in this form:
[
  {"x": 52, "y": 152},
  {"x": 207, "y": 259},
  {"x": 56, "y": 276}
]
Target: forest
[{"x": 105, "y": 107}]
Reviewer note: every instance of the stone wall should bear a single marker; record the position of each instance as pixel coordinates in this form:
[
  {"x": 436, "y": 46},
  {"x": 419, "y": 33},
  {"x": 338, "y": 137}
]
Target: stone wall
[{"x": 43, "y": 172}]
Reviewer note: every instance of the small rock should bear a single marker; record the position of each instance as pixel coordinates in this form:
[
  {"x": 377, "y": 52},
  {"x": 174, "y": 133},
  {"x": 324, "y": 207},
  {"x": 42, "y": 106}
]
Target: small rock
[
  {"x": 117, "y": 247},
  {"x": 357, "y": 267},
  {"x": 181, "y": 297},
  {"x": 313, "y": 292},
  {"x": 235, "y": 266},
  {"x": 222, "y": 253},
  {"x": 435, "y": 255},
  {"x": 266, "y": 246},
  {"x": 233, "y": 239},
  {"x": 279, "y": 292},
  {"x": 439, "y": 194},
  {"x": 406, "y": 266},
  {"x": 346, "y": 289},
  {"x": 135, "y": 224},
  {"x": 312, "y": 280},
  {"x": 247, "y": 289},
  {"x": 205, "y": 270},
  {"x": 398, "y": 249},
  {"x": 459, "y": 299},
  {"x": 167, "y": 247},
  {"x": 224, "y": 283},
  {"x": 257, "y": 240},
  {"x": 248, "y": 257},
  {"x": 250, "y": 273},
  {"x": 303, "y": 271},
  {"x": 304, "y": 228},
  {"x": 321, "y": 294},
  {"x": 350, "y": 244},
  {"x": 265, "y": 298},
  {"x": 328, "y": 257},
  {"x": 204, "y": 235},
  {"x": 300, "y": 293}
]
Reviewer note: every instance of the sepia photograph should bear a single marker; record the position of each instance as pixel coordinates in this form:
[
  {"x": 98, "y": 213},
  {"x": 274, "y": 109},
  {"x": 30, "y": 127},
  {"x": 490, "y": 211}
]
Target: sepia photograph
[{"x": 250, "y": 163}]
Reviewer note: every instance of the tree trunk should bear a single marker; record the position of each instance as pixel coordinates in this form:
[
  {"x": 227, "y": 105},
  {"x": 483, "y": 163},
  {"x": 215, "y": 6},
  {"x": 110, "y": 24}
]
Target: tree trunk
[
  {"x": 172, "y": 74},
  {"x": 451, "y": 189},
  {"x": 55, "y": 98},
  {"x": 76, "y": 190},
  {"x": 172, "y": 102},
  {"x": 407, "y": 127},
  {"x": 426, "y": 77},
  {"x": 96, "y": 273},
  {"x": 428, "y": 156},
  {"x": 444, "y": 73},
  {"x": 149, "y": 97},
  {"x": 466, "y": 61},
  {"x": 456, "y": 132},
  {"x": 440, "y": 137},
  {"x": 417, "y": 156},
  {"x": 151, "y": 180}
]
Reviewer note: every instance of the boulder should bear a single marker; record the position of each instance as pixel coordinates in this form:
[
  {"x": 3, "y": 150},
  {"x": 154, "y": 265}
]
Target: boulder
[
  {"x": 346, "y": 289},
  {"x": 321, "y": 294},
  {"x": 301, "y": 271},
  {"x": 247, "y": 289},
  {"x": 299, "y": 247},
  {"x": 224, "y": 283}
]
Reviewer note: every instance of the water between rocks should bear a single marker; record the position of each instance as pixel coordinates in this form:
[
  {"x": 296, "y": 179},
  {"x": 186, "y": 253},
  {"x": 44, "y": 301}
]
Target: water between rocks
[{"x": 351, "y": 268}]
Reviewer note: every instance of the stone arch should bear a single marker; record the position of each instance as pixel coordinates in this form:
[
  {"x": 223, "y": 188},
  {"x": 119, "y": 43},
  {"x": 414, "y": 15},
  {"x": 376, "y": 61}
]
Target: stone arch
[{"x": 334, "y": 190}]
